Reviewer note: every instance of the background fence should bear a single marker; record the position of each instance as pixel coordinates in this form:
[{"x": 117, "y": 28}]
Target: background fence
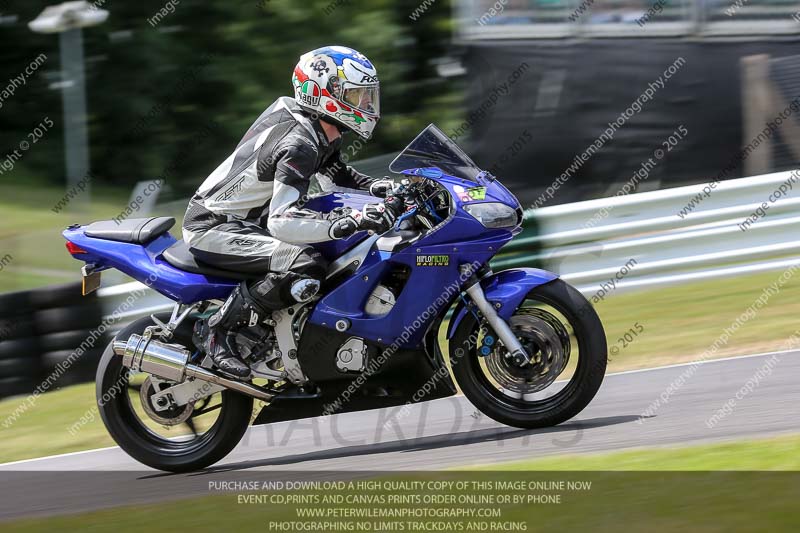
[{"x": 674, "y": 235}]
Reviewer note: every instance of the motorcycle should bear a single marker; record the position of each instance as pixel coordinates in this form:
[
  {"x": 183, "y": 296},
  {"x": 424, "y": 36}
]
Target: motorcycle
[{"x": 526, "y": 348}]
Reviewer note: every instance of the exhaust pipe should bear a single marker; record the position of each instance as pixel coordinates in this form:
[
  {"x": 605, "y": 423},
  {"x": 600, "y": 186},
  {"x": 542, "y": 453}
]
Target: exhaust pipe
[{"x": 172, "y": 363}]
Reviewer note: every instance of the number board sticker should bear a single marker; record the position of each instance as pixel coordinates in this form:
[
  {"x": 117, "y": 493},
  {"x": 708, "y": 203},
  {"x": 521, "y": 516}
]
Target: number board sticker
[{"x": 477, "y": 193}]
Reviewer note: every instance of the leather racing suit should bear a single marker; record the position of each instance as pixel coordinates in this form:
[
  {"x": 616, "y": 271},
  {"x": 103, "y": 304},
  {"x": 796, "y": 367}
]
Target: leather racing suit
[{"x": 249, "y": 216}]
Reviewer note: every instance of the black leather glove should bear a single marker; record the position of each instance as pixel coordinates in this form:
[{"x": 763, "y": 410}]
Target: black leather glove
[
  {"x": 373, "y": 217},
  {"x": 344, "y": 223},
  {"x": 342, "y": 228},
  {"x": 382, "y": 187},
  {"x": 396, "y": 205},
  {"x": 377, "y": 218}
]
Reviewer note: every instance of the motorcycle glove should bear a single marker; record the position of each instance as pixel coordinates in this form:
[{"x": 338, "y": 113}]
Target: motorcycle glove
[
  {"x": 377, "y": 218},
  {"x": 396, "y": 205},
  {"x": 373, "y": 217},
  {"x": 345, "y": 225},
  {"x": 382, "y": 187}
]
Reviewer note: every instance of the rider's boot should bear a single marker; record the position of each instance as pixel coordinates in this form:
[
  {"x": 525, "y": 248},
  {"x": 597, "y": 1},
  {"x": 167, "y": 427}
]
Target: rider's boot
[{"x": 217, "y": 335}]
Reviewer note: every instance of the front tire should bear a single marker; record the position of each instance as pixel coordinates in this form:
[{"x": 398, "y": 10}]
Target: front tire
[
  {"x": 147, "y": 446},
  {"x": 571, "y": 399}
]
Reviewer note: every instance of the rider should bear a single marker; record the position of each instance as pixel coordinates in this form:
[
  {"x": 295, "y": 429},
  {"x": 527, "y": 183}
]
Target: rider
[{"x": 250, "y": 215}]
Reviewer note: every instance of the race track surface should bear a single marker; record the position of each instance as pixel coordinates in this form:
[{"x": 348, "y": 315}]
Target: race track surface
[{"x": 448, "y": 433}]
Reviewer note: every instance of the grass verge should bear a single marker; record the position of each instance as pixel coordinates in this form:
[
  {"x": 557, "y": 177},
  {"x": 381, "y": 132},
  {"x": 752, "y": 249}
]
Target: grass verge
[
  {"x": 775, "y": 453},
  {"x": 43, "y": 429}
]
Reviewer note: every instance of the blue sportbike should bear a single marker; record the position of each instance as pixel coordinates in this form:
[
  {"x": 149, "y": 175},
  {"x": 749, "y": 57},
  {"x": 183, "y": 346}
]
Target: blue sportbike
[{"x": 526, "y": 348}]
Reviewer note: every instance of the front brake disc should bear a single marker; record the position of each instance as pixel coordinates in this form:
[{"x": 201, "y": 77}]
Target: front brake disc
[{"x": 544, "y": 336}]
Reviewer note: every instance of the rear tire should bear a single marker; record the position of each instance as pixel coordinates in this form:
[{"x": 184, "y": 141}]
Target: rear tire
[
  {"x": 149, "y": 448},
  {"x": 586, "y": 381}
]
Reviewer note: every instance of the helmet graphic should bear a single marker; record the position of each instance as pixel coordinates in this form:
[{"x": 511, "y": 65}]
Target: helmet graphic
[{"x": 340, "y": 84}]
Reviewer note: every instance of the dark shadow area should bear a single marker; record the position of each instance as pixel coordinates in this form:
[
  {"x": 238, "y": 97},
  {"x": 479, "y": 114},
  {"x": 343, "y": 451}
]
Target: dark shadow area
[{"x": 422, "y": 443}]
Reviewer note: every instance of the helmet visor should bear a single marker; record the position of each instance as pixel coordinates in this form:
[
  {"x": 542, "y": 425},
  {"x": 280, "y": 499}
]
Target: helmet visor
[{"x": 365, "y": 98}]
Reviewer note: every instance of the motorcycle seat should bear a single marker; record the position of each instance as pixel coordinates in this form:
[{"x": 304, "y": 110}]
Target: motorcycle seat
[
  {"x": 179, "y": 256},
  {"x": 132, "y": 230}
]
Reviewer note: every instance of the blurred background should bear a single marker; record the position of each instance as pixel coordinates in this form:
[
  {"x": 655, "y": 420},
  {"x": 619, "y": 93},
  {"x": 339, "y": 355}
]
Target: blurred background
[
  {"x": 576, "y": 93},
  {"x": 169, "y": 93}
]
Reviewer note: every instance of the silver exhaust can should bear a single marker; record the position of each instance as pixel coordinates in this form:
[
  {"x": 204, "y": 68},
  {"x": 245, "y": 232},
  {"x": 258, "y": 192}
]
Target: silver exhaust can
[
  {"x": 154, "y": 357},
  {"x": 171, "y": 362}
]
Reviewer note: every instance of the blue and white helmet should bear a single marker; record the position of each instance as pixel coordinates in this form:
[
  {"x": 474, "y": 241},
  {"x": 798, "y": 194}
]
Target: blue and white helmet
[{"x": 341, "y": 84}]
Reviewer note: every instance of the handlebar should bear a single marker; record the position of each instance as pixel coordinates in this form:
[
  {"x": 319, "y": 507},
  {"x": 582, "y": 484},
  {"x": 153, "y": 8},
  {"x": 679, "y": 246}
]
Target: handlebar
[{"x": 417, "y": 196}]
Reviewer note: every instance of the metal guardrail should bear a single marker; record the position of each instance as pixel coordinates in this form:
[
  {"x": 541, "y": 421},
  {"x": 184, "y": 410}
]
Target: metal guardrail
[
  {"x": 113, "y": 299},
  {"x": 707, "y": 243},
  {"x": 587, "y": 248}
]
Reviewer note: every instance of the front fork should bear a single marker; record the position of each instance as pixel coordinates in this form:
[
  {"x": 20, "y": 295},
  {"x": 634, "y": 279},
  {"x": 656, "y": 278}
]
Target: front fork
[{"x": 500, "y": 326}]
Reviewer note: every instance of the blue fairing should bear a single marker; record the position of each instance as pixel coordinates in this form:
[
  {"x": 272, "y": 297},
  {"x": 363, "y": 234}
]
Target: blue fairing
[
  {"x": 145, "y": 264},
  {"x": 430, "y": 290},
  {"x": 507, "y": 288},
  {"x": 330, "y": 250}
]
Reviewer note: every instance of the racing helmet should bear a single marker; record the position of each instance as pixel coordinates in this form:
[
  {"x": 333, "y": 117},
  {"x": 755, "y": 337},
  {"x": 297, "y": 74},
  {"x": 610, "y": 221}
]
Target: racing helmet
[{"x": 341, "y": 85}]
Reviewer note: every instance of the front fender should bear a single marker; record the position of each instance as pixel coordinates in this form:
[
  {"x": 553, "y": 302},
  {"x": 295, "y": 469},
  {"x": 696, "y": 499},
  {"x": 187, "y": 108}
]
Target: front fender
[{"x": 507, "y": 288}]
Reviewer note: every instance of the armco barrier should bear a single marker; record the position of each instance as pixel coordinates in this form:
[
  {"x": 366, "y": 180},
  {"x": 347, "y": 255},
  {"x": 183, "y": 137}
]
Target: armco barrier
[{"x": 674, "y": 235}]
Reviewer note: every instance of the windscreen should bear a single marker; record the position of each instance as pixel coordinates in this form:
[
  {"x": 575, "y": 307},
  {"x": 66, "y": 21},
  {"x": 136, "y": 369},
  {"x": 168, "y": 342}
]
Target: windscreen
[{"x": 432, "y": 148}]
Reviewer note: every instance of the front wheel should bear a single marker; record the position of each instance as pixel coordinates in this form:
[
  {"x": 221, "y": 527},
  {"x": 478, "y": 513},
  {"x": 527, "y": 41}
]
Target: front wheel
[
  {"x": 180, "y": 439},
  {"x": 564, "y": 338}
]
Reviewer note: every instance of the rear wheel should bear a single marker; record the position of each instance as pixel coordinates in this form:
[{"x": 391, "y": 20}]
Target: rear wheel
[
  {"x": 561, "y": 333},
  {"x": 179, "y": 439}
]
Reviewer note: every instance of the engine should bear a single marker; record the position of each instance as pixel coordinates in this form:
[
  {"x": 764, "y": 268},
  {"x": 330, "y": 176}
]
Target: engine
[
  {"x": 380, "y": 301},
  {"x": 257, "y": 344},
  {"x": 352, "y": 355}
]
